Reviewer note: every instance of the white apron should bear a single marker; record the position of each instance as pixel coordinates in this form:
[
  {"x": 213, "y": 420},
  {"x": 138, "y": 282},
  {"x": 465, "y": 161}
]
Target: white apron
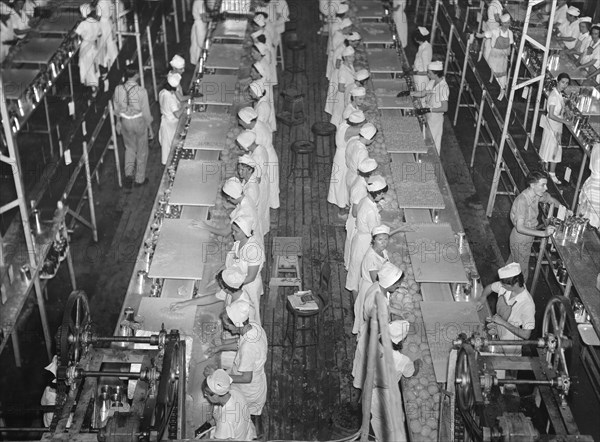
[
  {"x": 367, "y": 218},
  {"x": 197, "y": 37},
  {"x": 248, "y": 256},
  {"x": 168, "y": 122},
  {"x": 345, "y": 76},
  {"x": 371, "y": 259},
  {"x": 338, "y": 190},
  {"x": 400, "y": 21}
]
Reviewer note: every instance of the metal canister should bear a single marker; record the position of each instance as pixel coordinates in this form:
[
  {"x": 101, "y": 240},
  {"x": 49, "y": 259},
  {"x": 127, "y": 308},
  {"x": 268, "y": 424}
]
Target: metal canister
[
  {"x": 141, "y": 279},
  {"x": 25, "y": 272},
  {"x": 461, "y": 241},
  {"x": 37, "y": 222}
]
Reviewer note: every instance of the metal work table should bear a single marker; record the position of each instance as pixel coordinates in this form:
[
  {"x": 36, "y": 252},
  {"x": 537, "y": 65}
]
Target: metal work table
[
  {"x": 539, "y": 35},
  {"x": 403, "y": 135},
  {"x": 376, "y": 34},
  {"x": 196, "y": 183},
  {"x": 59, "y": 24},
  {"x": 207, "y": 132},
  {"x": 224, "y": 56},
  {"x": 218, "y": 89},
  {"x": 15, "y": 81},
  {"x": 37, "y": 51},
  {"x": 369, "y": 10},
  {"x": 230, "y": 29},
  {"x": 417, "y": 186},
  {"x": 384, "y": 61},
  {"x": 567, "y": 65},
  {"x": 517, "y": 12}
]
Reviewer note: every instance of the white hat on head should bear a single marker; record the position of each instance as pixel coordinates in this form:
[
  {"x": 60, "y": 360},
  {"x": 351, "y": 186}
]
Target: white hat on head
[
  {"x": 219, "y": 382},
  {"x": 362, "y": 74},
  {"x": 424, "y": 31},
  {"x": 388, "y": 275},
  {"x": 247, "y": 160},
  {"x": 85, "y": 10},
  {"x": 345, "y": 22},
  {"x": 343, "y": 8},
  {"x": 239, "y": 312},
  {"x": 261, "y": 69},
  {"x": 358, "y": 92},
  {"x": 257, "y": 34},
  {"x": 7, "y": 10},
  {"x": 173, "y": 78},
  {"x": 233, "y": 277},
  {"x": 504, "y": 18},
  {"x": 368, "y": 131},
  {"x": 259, "y": 19},
  {"x": 356, "y": 117},
  {"x": 177, "y": 62},
  {"x": 375, "y": 183},
  {"x": 399, "y": 330},
  {"x": 257, "y": 88},
  {"x": 353, "y": 36},
  {"x": 261, "y": 47},
  {"x": 245, "y": 223},
  {"x": 435, "y": 66},
  {"x": 585, "y": 20},
  {"x": 348, "y": 50},
  {"x": 367, "y": 165},
  {"x": 246, "y": 139},
  {"x": 381, "y": 229},
  {"x": 572, "y": 10},
  {"x": 509, "y": 270},
  {"x": 247, "y": 114},
  {"x": 233, "y": 188}
]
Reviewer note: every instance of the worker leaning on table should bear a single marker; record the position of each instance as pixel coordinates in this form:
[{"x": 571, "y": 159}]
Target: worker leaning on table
[
  {"x": 590, "y": 59},
  {"x": 568, "y": 32}
]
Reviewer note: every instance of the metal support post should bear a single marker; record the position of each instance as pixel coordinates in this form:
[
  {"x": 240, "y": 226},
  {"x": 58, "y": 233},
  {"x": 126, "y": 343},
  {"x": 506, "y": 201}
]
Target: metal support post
[
  {"x": 90, "y": 192},
  {"x": 165, "y": 44},
  {"x": 538, "y": 263},
  {"x": 138, "y": 43},
  {"x": 449, "y": 48},
  {"x": 115, "y": 141},
  {"x": 478, "y": 127},
  {"x": 579, "y": 180},
  {"x": 435, "y": 21},
  {"x": 49, "y": 126},
  {"x": 71, "y": 89},
  {"x": 176, "y": 20},
  {"x": 152, "y": 67},
  {"x": 463, "y": 76}
]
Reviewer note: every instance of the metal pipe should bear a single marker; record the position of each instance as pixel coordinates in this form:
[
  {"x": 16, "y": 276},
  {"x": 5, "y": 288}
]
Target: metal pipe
[
  {"x": 525, "y": 382},
  {"x": 137, "y": 339},
  {"x": 116, "y": 374}
]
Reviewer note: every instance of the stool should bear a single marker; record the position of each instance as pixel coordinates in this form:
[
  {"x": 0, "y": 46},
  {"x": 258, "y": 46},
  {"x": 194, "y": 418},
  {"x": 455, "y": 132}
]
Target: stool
[
  {"x": 292, "y": 110},
  {"x": 298, "y": 48},
  {"x": 285, "y": 271},
  {"x": 302, "y": 147},
  {"x": 325, "y": 129}
]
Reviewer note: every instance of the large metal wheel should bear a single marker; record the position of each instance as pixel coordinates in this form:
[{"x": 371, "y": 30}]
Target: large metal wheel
[
  {"x": 466, "y": 383},
  {"x": 560, "y": 323},
  {"x": 168, "y": 387},
  {"x": 76, "y": 319}
]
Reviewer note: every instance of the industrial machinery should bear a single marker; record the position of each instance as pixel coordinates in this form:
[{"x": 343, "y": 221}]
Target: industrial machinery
[
  {"x": 487, "y": 404},
  {"x": 117, "y": 393}
]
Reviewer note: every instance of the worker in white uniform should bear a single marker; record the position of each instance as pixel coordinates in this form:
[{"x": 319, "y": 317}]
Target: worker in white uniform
[
  {"x": 357, "y": 100},
  {"x": 177, "y": 64},
  {"x": 7, "y": 33},
  {"x": 501, "y": 41},
  {"x": 248, "y": 119},
  {"x": 199, "y": 30},
  {"x": 435, "y": 101},
  {"x": 367, "y": 218},
  {"x": 90, "y": 31},
  {"x": 337, "y": 39},
  {"x": 336, "y": 22},
  {"x": 247, "y": 142},
  {"x": 352, "y": 39},
  {"x": 231, "y": 416},
  {"x": 560, "y": 15},
  {"x": 260, "y": 73},
  {"x": 400, "y": 21},
  {"x": 389, "y": 279},
  {"x": 584, "y": 39},
  {"x": 338, "y": 190},
  {"x": 245, "y": 169},
  {"x": 170, "y": 110},
  {"x": 357, "y": 150},
  {"x": 591, "y": 57},
  {"x": 263, "y": 63},
  {"x": 340, "y": 79},
  {"x": 107, "y": 47},
  {"x": 20, "y": 19},
  {"x": 358, "y": 190},
  {"x": 494, "y": 11},
  {"x": 589, "y": 197},
  {"x": 422, "y": 58},
  {"x": 569, "y": 31},
  {"x": 248, "y": 373},
  {"x": 374, "y": 259},
  {"x": 515, "y": 309},
  {"x": 360, "y": 81},
  {"x": 381, "y": 400},
  {"x": 261, "y": 105},
  {"x": 268, "y": 37}
]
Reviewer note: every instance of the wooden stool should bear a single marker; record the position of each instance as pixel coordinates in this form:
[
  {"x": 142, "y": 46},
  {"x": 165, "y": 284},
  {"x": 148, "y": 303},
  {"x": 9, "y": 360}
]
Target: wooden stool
[
  {"x": 298, "y": 49},
  {"x": 299, "y": 148},
  {"x": 285, "y": 271},
  {"x": 292, "y": 109},
  {"x": 325, "y": 129}
]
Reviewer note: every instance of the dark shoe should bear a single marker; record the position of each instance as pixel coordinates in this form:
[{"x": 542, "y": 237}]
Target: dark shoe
[
  {"x": 146, "y": 181},
  {"x": 128, "y": 182}
]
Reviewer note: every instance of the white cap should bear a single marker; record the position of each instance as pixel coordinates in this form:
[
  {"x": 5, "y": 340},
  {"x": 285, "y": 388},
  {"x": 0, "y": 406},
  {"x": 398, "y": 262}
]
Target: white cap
[
  {"x": 173, "y": 79},
  {"x": 505, "y": 18},
  {"x": 177, "y": 62},
  {"x": 367, "y": 165},
  {"x": 389, "y": 275},
  {"x": 585, "y": 20},
  {"x": 245, "y": 223},
  {"x": 356, "y": 117},
  {"x": 85, "y": 10},
  {"x": 572, "y": 10},
  {"x": 343, "y": 8},
  {"x": 245, "y": 139},
  {"x": 379, "y": 230},
  {"x": 247, "y": 160},
  {"x": 219, "y": 382},
  {"x": 509, "y": 270},
  {"x": 435, "y": 66},
  {"x": 362, "y": 74},
  {"x": 261, "y": 48},
  {"x": 353, "y": 36},
  {"x": 375, "y": 183},
  {"x": 348, "y": 50},
  {"x": 247, "y": 114},
  {"x": 233, "y": 277},
  {"x": 259, "y": 19},
  {"x": 239, "y": 312},
  {"x": 358, "y": 91},
  {"x": 257, "y": 88},
  {"x": 261, "y": 69},
  {"x": 345, "y": 21},
  {"x": 399, "y": 330},
  {"x": 256, "y": 34},
  {"x": 368, "y": 131},
  {"x": 233, "y": 188},
  {"x": 424, "y": 31}
]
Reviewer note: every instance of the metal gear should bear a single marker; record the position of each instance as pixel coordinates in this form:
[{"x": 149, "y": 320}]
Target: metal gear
[
  {"x": 76, "y": 320},
  {"x": 166, "y": 399},
  {"x": 559, "y": 322},
  {"x": 467, "y": 381}
]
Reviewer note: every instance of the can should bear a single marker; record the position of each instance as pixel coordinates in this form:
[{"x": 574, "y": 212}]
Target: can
[
  {"x": 25, "y": 272},
  {"x": 461, "y": 241}
]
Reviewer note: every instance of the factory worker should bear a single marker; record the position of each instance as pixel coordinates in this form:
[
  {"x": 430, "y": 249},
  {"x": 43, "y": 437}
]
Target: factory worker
[
  {"x": 261, "y": 23},
  {"x": 199, "y": 30},
  {"x": 19, "y": 19},
  {"x": 134, "y": 121},
  {"x": 515, "y": 309},
  {"x": 230, "y": 415},
  {"x": 245, "y": 172},
  {"x": 435, "y": 101},
  {"x": 248, "y": 119},
  {"x": 494, "y": 11},
  {"x": 353, "y": 39},
  {"x": 374, "y": 259},
  {"x": 560, "y": 15},
  {"x": 360, "y": 81},
  {"x": 403, "y": 367},
  {"x": 591, "y": 57},
  {"x": 399, "y": 17},
  {"x": 247, "y": 142},
  {"x": 107, "y": 46},
  {"x": 584, "y": 39},
  {"x": 90, "y": 31},
  {"x": 341, "y": 79},
  {"x": 367, "y": 217},
  {"x": 248, "y": 373},
  {"x": 177, "y": 65},
  {"x": 501, "y": 40},
  {"x": 337, "y": 41},
  {"x": 262, "y": 56},
  {"x": 7, "y": 34},
  {"x": 422, "y": 58},
  {"x": 357, "y": 191},
  {"x": 49, "y": 395},
  {"x": 589, "y": 198},
  {"x": 389, "y": 279},
  {"x": 336, "y": 23},
  {"x": 552, "y": 123},
  {"x": 261, "y": 73},
  {"x": 170, "y": 110},
  {"x": 569, "y": 31},
  {"x": 524, "y": 216},
  {"x": 261, "y": 102},
  {"x": 357, "y": 101},
  {"x": 357, "y": 150}
]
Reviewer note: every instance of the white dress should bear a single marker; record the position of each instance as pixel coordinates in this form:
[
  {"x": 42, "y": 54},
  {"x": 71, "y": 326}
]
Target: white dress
[
  {"x": 337, "y": 46},
  {"x": 400, "y": 21},
  {"x": 570, "y": 30},
  {"x": 356, "y": 153},
  {"x": 264, "y": 137},
  {"x": 199, "y": 29},
  {"x": 372, "y": 261},
  {"x": 338, "y": 191},
  {"x": 550, "y": 149},
  {"x": 500, "y": 43},
  {"x": 422, "y": 60},
  {"x": 107, "y": 48},
  {"x": 89, "y": 30},
  {"x": 345, "y": 75},
  {"x": 247, "y": 207},
  {"x": 232, "y": 420},
  {"x": 264, "y": 109},
  {"x": 495, "y": 7},
  {"x": 358, "y": 191},
  {"x": 435, "y": 120},
  {"x": 367, "y": 217},
  {"x": 261, "y": 157},
  {"x": 169, "y": 104}
]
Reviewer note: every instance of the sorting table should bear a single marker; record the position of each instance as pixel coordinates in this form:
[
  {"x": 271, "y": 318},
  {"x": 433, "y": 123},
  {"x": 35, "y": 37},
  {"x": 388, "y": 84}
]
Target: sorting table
[
  {"x": 207, "y": 131},
  {"x": 567, "y": 65},
  {"x": 218, "y": 89},
  {"x": 376, "y": 34},
  {"x": 224, "y": 56},
  {"x": 59, "y": 24},
  {"x": 369, "y": 10},
  {"x": 37, "y": 51},
  {"x": 230, "y": 29},
  {"x": 417, "y": 186},
  {"x": 402, "y": 134},
  {"x": 15, "y": 81},
  {"x": 384, "y": 61},
  {"x": 196, "y": 183}
]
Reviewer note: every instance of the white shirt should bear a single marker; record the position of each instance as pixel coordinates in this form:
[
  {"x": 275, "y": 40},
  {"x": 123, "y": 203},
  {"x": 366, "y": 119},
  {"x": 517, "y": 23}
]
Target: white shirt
[
  {"x": 423, "y": 57},
  {"x": 233, "y": 419},
  {"x": 440, "y": 93},
  {"x": 584, "y": 41},
  {"x": 522, "y": 311},
  {"x": 356, "y": 152},
  {"x": 169, "y": 104},
  {"x": 243, "y": 296},
  {"x": 570, "y": 30},
  {"x": 367, "y": 216}
]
